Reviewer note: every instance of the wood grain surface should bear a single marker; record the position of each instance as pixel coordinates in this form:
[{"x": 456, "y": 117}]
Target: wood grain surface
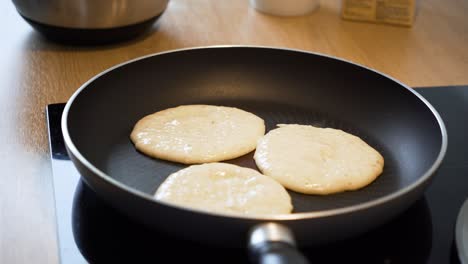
[{"x": 35, "y": 72}]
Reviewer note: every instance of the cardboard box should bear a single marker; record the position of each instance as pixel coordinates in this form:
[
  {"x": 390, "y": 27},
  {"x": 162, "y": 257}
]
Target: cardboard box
[{"x": 400, "y": 12}]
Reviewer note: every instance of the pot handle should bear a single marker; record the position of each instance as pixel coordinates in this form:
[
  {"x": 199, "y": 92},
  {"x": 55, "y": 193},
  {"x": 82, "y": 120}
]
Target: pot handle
[{"x": 273, "y": 243}]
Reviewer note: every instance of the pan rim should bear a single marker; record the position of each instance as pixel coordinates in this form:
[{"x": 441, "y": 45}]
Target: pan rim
[{"x": 284, "y": 217}]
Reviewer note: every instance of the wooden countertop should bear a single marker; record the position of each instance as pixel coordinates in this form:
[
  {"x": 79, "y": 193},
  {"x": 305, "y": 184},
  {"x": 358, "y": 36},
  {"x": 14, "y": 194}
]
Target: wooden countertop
[{"x": 35, "y": 72}]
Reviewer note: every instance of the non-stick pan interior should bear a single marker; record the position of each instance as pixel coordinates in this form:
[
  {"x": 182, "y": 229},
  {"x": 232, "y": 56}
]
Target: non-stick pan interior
[{"x": 280, "y": 86}]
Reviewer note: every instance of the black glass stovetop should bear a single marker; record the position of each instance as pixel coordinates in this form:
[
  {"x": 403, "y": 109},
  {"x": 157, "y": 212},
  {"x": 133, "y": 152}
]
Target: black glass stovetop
[{"x": 90, "y": 230}]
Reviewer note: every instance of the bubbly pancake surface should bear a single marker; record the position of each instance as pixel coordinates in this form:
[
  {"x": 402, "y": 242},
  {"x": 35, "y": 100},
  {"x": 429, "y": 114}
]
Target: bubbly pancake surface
[
  {"x": 314, "y": 160},
  {"x": 193, "y": 134},
  {"x": 226, "y": 189}
]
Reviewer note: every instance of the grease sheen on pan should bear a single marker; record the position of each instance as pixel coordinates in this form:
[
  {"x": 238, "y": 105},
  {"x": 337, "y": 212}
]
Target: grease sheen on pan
[
  {"x": 314, "y": 160},
  {"x": 226, "y": 189},
  {"x": 193, "y": 134}
]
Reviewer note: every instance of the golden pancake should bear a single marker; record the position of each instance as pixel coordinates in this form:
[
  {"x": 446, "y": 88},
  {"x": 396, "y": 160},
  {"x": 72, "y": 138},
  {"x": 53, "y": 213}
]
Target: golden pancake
[
  {"x": 193, "y": 134},
  {"x": 313, "y": 160},
  {"x": 226, "y": 189}
]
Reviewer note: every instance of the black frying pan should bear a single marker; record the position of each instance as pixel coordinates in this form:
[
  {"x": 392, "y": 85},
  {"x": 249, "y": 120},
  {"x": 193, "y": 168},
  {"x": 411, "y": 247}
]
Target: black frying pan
[{"x": 281, "y": 86}]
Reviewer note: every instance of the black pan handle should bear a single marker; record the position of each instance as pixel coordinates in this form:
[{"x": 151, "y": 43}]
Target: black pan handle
[{"x": 273, "y": 243}]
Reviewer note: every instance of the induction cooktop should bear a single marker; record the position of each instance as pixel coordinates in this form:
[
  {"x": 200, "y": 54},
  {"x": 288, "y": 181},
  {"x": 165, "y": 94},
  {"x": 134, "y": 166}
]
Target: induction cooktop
[{"x": 89, "y": 230}]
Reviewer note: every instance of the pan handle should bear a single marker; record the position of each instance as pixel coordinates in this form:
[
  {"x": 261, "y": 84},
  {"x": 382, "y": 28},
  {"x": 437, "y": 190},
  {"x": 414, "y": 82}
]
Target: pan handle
[{"x": 273, "y": 243}]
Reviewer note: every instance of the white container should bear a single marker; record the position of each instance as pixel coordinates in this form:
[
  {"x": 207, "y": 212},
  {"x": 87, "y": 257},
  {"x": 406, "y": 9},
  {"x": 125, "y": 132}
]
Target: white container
[{"x": 285, "y": 7}]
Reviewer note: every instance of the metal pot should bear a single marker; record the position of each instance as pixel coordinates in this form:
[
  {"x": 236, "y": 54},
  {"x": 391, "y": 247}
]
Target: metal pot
[{"x": 90, "y": 21}]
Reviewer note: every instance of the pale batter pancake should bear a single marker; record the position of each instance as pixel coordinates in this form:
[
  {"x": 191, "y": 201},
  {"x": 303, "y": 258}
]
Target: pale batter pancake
[
  {"x": 315, "y": 160},
  {"x": 226, "y": 189},
  {"x": 198, "y": 133}
]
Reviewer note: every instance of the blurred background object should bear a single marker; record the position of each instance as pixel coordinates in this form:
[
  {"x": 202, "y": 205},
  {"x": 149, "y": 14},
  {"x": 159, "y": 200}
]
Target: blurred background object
[
  {"x": 399, "y": 12},
  {"x": 90, "y": 21},
  {"x": 285, "y": 8}
]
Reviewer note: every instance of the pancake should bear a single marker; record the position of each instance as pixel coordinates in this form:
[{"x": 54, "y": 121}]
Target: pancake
[
  {"x": 313, "y": 160},
  {"x": 226, "y": 189},
  {"x": 194, "y": 134}
]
